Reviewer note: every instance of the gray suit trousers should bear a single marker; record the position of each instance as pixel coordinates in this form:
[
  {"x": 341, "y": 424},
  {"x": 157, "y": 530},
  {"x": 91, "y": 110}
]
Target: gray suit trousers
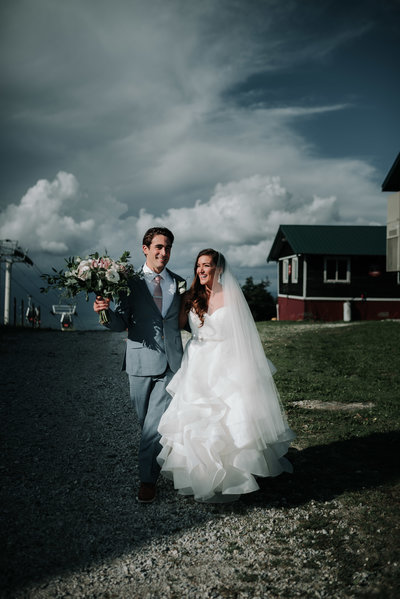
[{"x": 150, "y": 399}]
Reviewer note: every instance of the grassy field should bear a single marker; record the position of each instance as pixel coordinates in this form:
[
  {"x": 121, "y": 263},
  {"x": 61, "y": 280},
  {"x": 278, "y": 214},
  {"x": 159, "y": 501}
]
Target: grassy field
[
  {"x": 350, "y": 450},
  {"x": 359, "y": 363}
]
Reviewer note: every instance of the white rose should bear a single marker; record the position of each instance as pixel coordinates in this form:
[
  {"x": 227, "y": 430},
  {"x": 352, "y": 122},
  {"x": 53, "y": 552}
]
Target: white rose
[{"x": 112, "y": 275}]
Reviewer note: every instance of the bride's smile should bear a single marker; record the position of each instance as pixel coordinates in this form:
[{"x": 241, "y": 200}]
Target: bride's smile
[{"x": 206, "y": 270}]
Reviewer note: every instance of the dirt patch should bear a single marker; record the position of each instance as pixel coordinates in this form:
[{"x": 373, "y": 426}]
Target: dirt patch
[{"x": 332, "y": 405}]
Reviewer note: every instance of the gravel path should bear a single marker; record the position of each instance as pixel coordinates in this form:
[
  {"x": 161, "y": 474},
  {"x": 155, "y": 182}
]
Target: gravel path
[{"x": 71, "y": 525}]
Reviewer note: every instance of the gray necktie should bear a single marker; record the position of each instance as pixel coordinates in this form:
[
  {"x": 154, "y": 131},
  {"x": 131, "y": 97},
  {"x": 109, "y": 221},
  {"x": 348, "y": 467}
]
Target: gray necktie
[{"x": 157, "y": 295}]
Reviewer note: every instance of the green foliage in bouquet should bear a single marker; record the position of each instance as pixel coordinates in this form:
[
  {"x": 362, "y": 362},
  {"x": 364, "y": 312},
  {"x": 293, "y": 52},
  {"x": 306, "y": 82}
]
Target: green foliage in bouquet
[{"x": 94, "y": 274}]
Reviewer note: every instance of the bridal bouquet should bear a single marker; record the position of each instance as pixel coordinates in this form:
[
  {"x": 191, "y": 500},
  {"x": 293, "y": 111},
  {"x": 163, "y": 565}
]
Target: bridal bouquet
[{"x": 94, "y": 274}]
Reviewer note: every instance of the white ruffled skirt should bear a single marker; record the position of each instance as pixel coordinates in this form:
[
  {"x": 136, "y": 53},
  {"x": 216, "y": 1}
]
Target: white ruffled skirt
[{"x": 211, "y": 449}]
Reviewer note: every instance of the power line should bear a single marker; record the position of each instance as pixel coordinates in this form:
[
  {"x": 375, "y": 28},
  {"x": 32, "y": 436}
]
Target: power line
[
  {"x": 33, "y": 282},
  {"x": 43, "y": 301},
  {"x": 46, "y": 300},
  {"x": 29, "y": 293}
]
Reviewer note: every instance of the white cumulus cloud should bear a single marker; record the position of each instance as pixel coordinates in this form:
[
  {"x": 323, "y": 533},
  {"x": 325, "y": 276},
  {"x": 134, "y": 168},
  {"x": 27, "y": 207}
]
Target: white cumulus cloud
[
  {"x": 242, "y": 217},
  {"x": 55, "y": 219},
  {"x": 42, "y": 220}
]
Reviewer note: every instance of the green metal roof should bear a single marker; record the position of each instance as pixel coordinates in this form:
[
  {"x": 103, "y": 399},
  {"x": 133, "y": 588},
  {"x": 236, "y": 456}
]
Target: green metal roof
[{"x": 330, "y": 240}]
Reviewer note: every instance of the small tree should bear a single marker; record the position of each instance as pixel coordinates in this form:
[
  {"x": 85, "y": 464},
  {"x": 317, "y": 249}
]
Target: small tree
[{"x": 261, "y": 302}]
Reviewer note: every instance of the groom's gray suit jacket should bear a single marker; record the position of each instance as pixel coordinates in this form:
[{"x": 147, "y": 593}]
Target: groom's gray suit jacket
[{"x": 153, "y": 341}]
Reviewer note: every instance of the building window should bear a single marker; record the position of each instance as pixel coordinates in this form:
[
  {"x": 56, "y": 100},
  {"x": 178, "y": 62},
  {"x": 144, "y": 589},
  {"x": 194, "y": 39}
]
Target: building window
[
  {"x": 295, "y": 269},
  {"x": 285, "y": 271},
  {"x": 290, "y": 270},
  {"x": 337, "y": 270}
]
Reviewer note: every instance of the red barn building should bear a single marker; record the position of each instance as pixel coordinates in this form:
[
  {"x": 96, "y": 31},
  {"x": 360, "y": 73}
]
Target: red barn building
[{"x": 334, "y": 273}]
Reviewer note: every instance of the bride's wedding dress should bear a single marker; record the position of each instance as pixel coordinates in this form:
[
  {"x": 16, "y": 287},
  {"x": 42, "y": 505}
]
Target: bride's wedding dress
[{"x": 225, "y": 424}]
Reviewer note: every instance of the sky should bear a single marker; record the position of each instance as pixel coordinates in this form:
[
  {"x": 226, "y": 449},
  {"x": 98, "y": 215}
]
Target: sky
[{"x": 220, "y": 119}]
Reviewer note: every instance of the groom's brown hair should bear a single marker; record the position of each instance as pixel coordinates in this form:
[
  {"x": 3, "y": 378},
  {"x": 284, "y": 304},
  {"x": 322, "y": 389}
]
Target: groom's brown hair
[{"x": 151, "y": 233}]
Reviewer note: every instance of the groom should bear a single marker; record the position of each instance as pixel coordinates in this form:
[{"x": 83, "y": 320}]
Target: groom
[{"x": 154, "y": 347}]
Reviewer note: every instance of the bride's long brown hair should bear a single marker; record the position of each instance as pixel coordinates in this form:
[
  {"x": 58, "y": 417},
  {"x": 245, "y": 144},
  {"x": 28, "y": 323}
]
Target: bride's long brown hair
[{"x": 197, "y": 297}]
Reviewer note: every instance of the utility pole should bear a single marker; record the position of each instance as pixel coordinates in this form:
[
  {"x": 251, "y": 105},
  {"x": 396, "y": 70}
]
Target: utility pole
[{"x": 10, "y": 252}]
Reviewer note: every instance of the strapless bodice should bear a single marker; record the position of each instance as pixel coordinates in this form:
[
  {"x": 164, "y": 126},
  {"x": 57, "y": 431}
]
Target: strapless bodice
[{"x": 213, "y": 329}]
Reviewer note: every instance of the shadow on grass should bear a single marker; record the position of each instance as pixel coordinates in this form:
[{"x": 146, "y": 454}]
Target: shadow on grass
[{"x": 323, "y": 472}]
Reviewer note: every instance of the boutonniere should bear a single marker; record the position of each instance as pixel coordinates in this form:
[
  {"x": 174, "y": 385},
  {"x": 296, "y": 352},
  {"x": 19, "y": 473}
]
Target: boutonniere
[{"x": 181, "y": 287}]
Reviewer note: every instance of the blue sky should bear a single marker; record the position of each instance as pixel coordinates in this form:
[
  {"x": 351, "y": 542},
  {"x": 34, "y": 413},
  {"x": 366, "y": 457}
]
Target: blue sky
[{"x": 220, "y": 119}]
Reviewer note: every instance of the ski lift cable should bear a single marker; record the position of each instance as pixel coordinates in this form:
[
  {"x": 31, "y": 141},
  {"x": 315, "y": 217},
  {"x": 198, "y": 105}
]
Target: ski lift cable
[
  {"x": 51, "y": 290},
  {"x": 76, "y": 316},
  {"x": 43, "y": 298},
  {"x": 47, "y": 301},
  {"x": 39, "y": 301}
]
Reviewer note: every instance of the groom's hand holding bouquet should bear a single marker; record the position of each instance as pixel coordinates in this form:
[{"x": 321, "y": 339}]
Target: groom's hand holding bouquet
[
  {"x": 101, "y": 275},
  {"x": 101, "y": 305}
]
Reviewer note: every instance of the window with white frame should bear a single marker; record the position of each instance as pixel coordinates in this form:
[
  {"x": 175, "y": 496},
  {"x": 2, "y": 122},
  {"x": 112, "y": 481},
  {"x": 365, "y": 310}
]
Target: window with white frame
[
  {"x": 295, "y": 269},
  {"x": 336, "y": 270},
  {"x": 290, "y": 270},
  {"x": 285, "y": 270}
]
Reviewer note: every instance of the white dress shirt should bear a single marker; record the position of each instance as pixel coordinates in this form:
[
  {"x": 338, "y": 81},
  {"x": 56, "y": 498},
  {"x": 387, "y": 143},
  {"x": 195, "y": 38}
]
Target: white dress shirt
[{"x": 168, "y": 286}]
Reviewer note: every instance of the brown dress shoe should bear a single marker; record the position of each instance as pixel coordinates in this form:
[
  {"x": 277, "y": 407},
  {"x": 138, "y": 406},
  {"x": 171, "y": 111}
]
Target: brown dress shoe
[{"x": 146, "y": 493}]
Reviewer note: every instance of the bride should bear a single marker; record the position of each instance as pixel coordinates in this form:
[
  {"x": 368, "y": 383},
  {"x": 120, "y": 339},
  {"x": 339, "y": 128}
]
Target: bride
[{"x": 225, "y": 424}]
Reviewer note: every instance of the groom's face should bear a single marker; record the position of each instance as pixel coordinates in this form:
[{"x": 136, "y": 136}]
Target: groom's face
[{"x": 158, "y": 253}]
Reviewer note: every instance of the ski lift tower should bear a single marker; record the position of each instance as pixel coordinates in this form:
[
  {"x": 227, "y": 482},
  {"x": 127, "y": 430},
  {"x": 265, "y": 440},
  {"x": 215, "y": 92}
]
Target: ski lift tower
[
  {"x": 10, "y": 252},
  {"x": 66, "y": 312}
]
